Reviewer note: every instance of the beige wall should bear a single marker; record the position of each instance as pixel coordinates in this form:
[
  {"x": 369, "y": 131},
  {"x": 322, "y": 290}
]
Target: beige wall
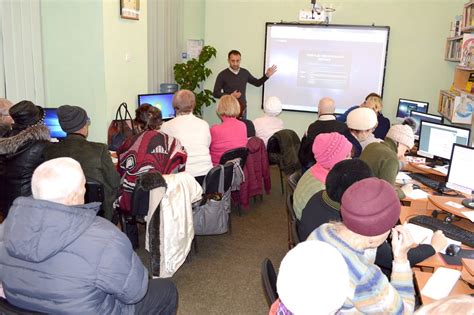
[
  {"x": 73, "y": 55},
  {"x": 85, "y": 44},
  {"x": 415, "y": 67},
  {"x": 125, "y": 57}
]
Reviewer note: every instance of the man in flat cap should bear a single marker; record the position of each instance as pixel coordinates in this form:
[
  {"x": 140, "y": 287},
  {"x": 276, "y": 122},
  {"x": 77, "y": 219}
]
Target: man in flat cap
[{"x": 94, "y": 157}]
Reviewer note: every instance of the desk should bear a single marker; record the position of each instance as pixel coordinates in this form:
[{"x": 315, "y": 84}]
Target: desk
[
  {"x": 422, "y": 168},
  {"x": 436, "y": 260},
  {"x": 422, "y": 277},
  {"x": 439, "y": 202}
]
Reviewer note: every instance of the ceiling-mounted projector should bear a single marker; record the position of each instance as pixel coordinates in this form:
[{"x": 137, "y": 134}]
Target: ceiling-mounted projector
[{"x": 317, "y": 14}]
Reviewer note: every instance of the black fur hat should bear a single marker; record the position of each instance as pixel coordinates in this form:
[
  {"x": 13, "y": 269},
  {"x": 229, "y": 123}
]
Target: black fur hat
[{"x": 343, "y": 175}]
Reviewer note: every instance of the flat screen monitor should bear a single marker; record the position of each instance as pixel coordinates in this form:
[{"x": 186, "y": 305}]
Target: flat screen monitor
[
  {"x": 461, "y": 172},
  {"x": 163, "y": 101},
  {"x": 406, "y": 106},
  {"x": 436, "y": 140},
  {"x": 52, "y": 122},
  {"x": 419, "y": 116}
]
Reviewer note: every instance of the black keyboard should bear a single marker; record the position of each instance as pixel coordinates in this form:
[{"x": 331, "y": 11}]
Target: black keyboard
[
  {"x": 425, "y": 180},
  {"x": 452, "y": 231}
]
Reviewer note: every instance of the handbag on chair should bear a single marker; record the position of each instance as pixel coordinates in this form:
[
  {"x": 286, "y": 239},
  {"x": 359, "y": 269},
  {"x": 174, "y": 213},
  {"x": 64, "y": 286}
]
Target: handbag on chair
[{"x": 120, "y": 128}]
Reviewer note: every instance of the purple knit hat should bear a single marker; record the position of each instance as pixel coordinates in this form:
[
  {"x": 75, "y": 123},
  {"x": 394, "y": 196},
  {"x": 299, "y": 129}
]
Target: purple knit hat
[
  {"x": 330, "y": 148},
  {"x": 370, "y": 207}
]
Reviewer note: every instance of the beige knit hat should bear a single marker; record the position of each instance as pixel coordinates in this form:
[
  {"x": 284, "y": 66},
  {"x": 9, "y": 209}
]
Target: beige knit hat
[
  {"x": 402, "y": 134},
  {"x": 272, "y": 106},
  {"x": 362, "y": 118}
]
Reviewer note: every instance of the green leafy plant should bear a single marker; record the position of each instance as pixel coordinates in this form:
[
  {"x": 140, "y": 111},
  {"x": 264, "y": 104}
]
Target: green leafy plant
[{"x": 190, "y": 75}]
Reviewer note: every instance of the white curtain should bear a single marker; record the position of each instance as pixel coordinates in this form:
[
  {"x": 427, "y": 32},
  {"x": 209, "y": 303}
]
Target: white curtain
[
  {"x": 165, "y": 38},
  {"x": 21, "y": 59}
]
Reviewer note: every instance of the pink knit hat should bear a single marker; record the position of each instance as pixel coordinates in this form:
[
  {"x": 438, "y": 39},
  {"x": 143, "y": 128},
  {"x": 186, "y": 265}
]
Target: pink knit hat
[
  {"x": 370, "y": 207},
  {"x": 330, "y": 148}
]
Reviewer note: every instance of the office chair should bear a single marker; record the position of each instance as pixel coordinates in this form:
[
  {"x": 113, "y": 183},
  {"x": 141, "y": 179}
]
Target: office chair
[
  {"x": 241, "y": 153},
  {"x": 95, "y": 193},
  {"x": 293, "y": 236},
  {"x": 274, "y": 156},
  {"x": 269, "y": 279},
  {"x": 237, "y": 153},
  {"x": 293, "y": 181}
]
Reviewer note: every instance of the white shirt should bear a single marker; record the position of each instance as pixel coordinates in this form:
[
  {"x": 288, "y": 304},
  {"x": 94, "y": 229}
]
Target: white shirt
[
  {"x": 266, "y": 126},
  {"x": 194, "y": 135}
]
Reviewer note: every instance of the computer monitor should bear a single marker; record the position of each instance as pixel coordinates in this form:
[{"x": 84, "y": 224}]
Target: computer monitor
[
  {"x": 436, "y": 140},
  {"x": 419, "y": 116},
  {"x": 52, "y": 122},
  {"x": 406, "y": 106},
  {"x": 461, "y": 172},
  {"x": 163, "y": 101}
]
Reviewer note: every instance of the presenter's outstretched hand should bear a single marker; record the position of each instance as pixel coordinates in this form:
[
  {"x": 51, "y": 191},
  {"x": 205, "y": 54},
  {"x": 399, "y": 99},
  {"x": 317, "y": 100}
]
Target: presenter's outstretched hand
[
  {"x": 236, "y": 94},
  {"x": 271, "y": 71}
]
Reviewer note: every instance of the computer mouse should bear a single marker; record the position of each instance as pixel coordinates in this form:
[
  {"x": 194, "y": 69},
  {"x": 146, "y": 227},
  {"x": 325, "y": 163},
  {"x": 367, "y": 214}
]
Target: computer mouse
[{"x": 452, "y": 249}]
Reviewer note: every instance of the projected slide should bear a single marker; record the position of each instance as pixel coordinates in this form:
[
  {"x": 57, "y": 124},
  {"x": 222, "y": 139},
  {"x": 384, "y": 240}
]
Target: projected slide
[{"x": 343, "y": 62}]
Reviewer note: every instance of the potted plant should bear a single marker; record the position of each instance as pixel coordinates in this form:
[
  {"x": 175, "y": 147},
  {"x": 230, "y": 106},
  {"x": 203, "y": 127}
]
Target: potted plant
[{"x": 190, "y": 75}]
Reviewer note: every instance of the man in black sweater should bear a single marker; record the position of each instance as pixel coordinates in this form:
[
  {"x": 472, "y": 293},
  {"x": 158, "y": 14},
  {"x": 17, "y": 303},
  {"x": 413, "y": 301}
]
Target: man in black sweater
[{"x": 233, "y": 80}]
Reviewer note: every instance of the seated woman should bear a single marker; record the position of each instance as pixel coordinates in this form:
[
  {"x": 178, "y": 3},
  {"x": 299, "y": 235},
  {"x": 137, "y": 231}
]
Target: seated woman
[
  {"x": 361, "y": 122},
  {"x": 328, "y": 149},
  {"x": 269, "y": 123},
  {"x": 374, "y": 102},
  {"x": 231, "y": 133},
  {"x": 192, "y": 132},
  {"x": 21, "y": 151},
  {"x": 324, "y": 207},
  {"x": 149, "y": 150},
  {"x": 370, "y": 209},
  {"x": 384, "y": 157}
]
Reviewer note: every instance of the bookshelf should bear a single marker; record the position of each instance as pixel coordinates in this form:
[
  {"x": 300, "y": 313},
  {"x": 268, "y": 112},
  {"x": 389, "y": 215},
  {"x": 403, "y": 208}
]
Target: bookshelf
[
  {"x": 453, "y": 49},
  {"x": 468, "y": 17},
  {"x": 457, "y": 104}
]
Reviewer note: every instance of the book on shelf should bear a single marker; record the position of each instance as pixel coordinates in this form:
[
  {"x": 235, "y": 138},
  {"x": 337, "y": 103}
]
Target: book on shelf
[
  {"x": 467, "y": 51},
  {"x": 453, "y": 49},
  {"x": 456, "y": 26}
]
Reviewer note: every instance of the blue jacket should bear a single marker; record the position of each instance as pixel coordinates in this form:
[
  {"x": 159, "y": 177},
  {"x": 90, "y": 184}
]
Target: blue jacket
[{"x": 65, "y": 260}]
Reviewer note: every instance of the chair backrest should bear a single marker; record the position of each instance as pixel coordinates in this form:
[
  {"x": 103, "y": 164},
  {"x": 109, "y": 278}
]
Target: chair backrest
[
  {"x": 234, "y": 154},
  {"x": 95, "y": 193},
  {"x": 212, "y": 178},
  {"x": 141, "y": 193},
  {"x": 295, "y": 238},
  {"x": 293, "y": 180},
  {"x": 273, "y": 146},
  {"x": 8, "y": 309},
  {"x": 269, "y": 279},
  {"x": 273, "y": 150},
  {"x": 286, "y": 154}
]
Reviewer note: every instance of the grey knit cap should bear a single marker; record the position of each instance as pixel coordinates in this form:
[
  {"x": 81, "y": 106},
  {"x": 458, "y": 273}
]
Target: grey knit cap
[{"x": 72, "y": 118}]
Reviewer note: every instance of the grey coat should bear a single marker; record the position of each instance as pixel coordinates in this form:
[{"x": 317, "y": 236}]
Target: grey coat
[{"x": 64, "y": 260}]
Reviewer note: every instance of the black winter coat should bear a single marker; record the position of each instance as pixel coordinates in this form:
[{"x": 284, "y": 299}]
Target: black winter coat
[{"x": 19, "y": 156}]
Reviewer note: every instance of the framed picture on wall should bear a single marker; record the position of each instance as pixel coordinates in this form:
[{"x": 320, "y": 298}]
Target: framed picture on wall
[{"x": 130, "y": 9}]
